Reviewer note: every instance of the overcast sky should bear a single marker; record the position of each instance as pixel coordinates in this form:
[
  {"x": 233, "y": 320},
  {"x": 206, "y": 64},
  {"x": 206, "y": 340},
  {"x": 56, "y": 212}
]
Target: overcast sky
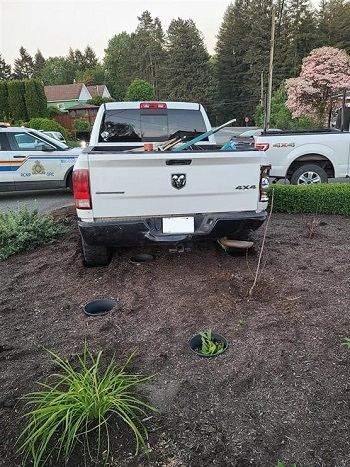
[{"x": 52, "y": 26}]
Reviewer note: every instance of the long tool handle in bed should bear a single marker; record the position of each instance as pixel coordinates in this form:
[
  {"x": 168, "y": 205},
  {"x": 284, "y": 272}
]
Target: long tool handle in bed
[{"x": 202, "y": 136}]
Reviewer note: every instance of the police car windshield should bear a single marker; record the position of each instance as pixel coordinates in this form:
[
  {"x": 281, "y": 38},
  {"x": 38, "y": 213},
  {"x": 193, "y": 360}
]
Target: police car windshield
[{"x": 52, "y": 141}]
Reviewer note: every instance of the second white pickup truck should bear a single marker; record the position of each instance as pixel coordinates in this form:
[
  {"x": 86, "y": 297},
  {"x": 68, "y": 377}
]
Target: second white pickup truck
[
  {"x": 128, "y": 195},
  {"x": 305, "y": 157}
]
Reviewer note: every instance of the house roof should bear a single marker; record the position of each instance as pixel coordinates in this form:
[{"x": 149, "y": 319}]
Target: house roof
[
  {"x": 96, "y": 89},
  {"x": 63, "y": 92}
]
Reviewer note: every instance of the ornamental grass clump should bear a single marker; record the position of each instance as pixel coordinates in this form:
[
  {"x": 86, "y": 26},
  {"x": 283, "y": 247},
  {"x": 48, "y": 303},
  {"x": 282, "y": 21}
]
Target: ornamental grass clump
[{"x": 78, "y": 404}]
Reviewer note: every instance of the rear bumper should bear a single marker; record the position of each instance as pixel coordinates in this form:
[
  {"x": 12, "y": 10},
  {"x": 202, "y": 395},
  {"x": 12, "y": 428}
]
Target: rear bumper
[{"x": 134, "y": 232}]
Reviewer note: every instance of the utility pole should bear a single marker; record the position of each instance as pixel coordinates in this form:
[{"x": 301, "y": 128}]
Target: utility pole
[
  {"x": 269, "y": 90},
  {"x": 262, "y": 88}
]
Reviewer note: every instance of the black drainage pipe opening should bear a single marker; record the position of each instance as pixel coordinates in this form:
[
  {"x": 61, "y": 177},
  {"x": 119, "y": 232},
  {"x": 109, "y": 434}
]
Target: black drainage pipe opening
[
  {"x": 99, "y": 307},
  {"x": 142, "y": 258}
]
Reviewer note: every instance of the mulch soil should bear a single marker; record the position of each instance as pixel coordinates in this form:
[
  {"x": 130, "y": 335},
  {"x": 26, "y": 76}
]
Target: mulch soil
[{"x": 280, "y": 392}]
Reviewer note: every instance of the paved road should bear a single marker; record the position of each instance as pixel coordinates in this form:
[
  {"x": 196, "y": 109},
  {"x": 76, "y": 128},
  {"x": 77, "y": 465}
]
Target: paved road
[{"x": 44, "y": 201}]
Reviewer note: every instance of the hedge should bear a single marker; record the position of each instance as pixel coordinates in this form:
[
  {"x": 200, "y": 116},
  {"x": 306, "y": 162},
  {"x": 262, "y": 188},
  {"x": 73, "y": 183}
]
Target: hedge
[
  {"x": 46, "y": 124},
  {"x": 323, "y": 198}
]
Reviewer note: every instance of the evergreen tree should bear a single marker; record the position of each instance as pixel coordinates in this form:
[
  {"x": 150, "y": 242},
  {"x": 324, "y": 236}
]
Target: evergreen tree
[
  {"x": 255, "y": 54},
  {"x": 91, "y": 76},
  {"x": 39, "y": 63},
  {"x": 58, "y": 70},
  {"x": 188, "y": 72},
  {"x": 24, "y": 66},
  {"x": 35, "y": 99},
  {"x": 83, "y": 60},
  {"x": 16, "y": 101},
  {"x": 117, "y": 63},
  {"x": 4, "y": 105},
  {"x": 333, "y": 27},
  {"x": 147, "y": 52},
  {"x": 231, "y": 62},
  {"x": 76, "y": 59},
  {"x": 302, "y": 36},
  {"x": 5, "y": 70},
  {"x": 244, "y": 45},
  {"x": 90, "y": 59}
]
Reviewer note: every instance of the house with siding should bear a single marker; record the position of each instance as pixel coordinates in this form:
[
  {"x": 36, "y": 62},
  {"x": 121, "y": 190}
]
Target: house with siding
[
  {"x": 99, "y": 89},
  {"x": 65, "y": 96}
]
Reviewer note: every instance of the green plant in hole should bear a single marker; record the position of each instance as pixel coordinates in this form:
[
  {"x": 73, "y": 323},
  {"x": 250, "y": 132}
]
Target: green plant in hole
[
  {"x": 281, "y": 464},
  {"x": 346, "y": 342},
  {"x": 209, "y": 345},
  {"x": 78, "y": 402},
  {"x": 22, "y": 229}
]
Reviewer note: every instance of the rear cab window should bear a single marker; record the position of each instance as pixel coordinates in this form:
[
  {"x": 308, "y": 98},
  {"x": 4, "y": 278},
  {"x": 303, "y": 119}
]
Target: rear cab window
[{"x": 150, "y": 124}]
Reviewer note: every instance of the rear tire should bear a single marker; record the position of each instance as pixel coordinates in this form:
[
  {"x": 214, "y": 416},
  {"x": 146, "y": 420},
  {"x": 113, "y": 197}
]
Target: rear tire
[
  {"x": 309, "y": 174},
  {"x": 96, "y": 255},
  {"x": 69, "y": 182}
]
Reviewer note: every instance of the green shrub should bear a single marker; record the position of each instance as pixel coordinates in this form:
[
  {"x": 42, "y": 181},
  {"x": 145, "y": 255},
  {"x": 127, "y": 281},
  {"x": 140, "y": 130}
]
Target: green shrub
[
  {"x": 140, "y": 90},
  {"x": 79, "y": 403},
  {"x": 323, "y": 198},
  {"x": 98, "y": 100},
  {"x": 46, "y": 124},
  {"x": 81, "y": 125},
  {"x": 52, "y": 111},
  {"x": 35, "y": 98},
  {"x": 22, "y": 229}
]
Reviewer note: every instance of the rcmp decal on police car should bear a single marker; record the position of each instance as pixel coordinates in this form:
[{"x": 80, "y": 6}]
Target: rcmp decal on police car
[{"x": 38, "y": 168}]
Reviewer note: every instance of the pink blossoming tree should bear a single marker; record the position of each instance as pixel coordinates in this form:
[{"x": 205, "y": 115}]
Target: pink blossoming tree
[{"x": 324, "y": 71}]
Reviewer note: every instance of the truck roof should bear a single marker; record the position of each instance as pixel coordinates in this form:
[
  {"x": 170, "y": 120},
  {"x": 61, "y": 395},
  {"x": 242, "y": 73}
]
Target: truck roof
[{"x": 151, "y": 104}]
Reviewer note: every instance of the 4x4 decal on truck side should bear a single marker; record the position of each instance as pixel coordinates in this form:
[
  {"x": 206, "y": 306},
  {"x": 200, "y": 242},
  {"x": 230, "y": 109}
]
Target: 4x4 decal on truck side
[
  {"x": 283, "y": 145},
  {"x": 178, "y": 180},
  {"x": 245, "y": 187}
]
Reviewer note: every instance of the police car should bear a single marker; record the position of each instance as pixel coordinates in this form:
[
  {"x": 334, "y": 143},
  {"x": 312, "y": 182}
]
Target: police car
[{"x": 31, "y": 160}]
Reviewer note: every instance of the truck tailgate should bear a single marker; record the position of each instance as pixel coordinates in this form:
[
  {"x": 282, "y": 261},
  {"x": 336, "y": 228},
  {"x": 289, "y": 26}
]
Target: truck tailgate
[{"x": 141, "y": 184}]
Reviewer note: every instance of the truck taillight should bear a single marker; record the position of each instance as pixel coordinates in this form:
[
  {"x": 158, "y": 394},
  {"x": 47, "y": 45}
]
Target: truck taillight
[
  {"x": 153, "y": 105},
  {"x": 81, "y": 189},
  {"x": 262, "y": 146},
  {"x": 264, "y": 182}
]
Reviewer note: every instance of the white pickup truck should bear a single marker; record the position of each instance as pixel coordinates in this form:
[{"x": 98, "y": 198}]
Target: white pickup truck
[
  {"x": 305, "y": 157},
  {"x": 138, "y": 184}
]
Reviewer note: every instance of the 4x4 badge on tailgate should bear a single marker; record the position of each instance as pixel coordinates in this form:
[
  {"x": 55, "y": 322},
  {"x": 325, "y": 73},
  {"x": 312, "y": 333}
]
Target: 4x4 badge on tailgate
[{"x": 178, "y": 180}]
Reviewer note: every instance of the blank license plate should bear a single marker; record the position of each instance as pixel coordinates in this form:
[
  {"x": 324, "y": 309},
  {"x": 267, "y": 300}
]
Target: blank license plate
[{"x": 178, "y": 225}]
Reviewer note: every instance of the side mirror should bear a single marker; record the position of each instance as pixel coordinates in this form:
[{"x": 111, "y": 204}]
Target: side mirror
[{"x": 47, "y": 148}]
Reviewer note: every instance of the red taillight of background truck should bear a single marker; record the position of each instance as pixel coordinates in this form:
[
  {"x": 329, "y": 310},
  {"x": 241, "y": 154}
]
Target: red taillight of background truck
[
  {"x": 81, "y": 189},
  {"x": 262, "y": 146}
]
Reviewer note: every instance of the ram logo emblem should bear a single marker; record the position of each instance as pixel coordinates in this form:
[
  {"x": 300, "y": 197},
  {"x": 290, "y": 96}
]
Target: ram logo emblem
[{"x": 178, "y": 181}]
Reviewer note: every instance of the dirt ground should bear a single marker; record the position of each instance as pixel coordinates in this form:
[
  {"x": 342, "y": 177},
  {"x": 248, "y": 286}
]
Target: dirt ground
[{"x": 281, "y": 390}]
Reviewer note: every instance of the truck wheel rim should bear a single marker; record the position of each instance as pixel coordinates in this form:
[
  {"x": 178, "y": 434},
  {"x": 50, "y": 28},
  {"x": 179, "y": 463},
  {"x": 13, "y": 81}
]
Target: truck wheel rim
[{"x": 309, "y": 177}]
